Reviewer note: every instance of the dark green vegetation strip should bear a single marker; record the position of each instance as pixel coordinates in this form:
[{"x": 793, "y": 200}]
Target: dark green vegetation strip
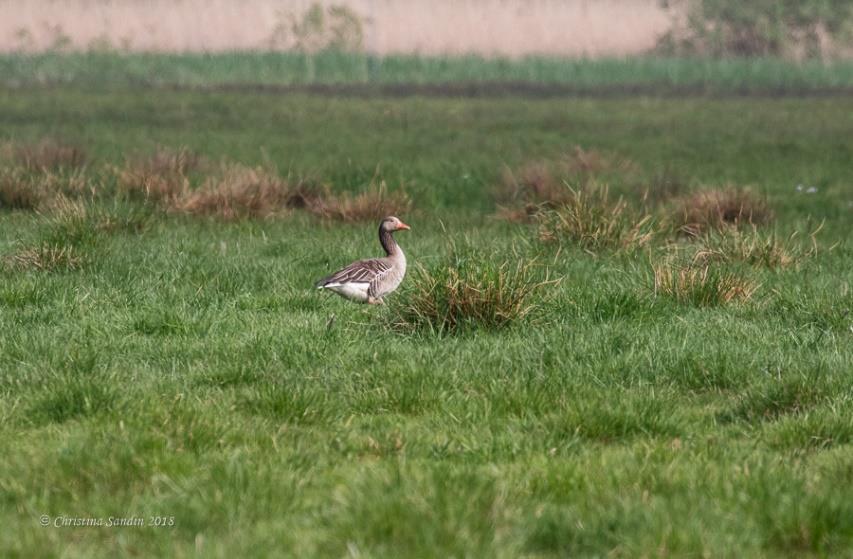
[
  {"x": 355, "y": 73},
  {"x": 186, "y": 368}
]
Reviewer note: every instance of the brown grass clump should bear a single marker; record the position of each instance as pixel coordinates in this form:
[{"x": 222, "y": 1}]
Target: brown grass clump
[
  {"x": 17, "y": 190},
  {"x": 590, "y": 220},
  {"x": 372, "y": 204},
  {"x": 752, "y": 248},
  {"x": 162, "y": 177},
  {"x": 26, "y": 190},
  {"x": 181, "y": 161},
  {"x": 543, "y": 184},
  {"x": 717, "y": 209},
  {"x": 305, "y": 194},
  {"x": 592, "y": 162},
  {"x": 238, "y": 192},
  {"x": 663, "y": 187},
  {"x": 468, "y": 293},
  {"x": 529, "y": 190},
  {"x": 755, "y": 248},
  {"x": 74, "y": 184},
  {"x": 63, "y": 207},
  {"x": 46, "y": 257},
  {"x": 702, "y": 286},
  {"x": 49, "y": 155}
]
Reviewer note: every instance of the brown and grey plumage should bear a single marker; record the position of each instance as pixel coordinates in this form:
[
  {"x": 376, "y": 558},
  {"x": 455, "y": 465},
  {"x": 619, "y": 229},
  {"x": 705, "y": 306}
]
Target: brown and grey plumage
[{"x": 367, "y": 281}]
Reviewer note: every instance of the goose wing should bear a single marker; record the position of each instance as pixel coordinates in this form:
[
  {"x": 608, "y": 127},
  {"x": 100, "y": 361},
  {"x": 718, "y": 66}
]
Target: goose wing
[{"x": 362, "y": 271}]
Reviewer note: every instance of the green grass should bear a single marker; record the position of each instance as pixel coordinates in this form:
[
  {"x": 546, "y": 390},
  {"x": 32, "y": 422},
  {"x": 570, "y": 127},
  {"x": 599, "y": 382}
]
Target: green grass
[
  {"x": 186, "y": 368},
  {"x": 115, "y": 69}
]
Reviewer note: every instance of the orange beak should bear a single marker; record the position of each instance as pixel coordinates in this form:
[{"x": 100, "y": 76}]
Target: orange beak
[{"x": 403, "y": 227}]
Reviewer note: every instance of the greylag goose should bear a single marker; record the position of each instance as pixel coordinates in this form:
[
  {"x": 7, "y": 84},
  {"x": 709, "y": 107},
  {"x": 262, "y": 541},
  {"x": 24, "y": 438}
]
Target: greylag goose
[{"x": 367, "y": 281}]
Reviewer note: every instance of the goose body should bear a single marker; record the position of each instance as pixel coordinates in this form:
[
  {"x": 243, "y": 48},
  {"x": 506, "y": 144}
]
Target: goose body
[{"x": 368, "y": 281}]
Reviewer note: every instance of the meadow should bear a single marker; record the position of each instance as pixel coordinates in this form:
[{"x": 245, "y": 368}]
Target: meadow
[
  {"x": 626, "y": 330},
  {"x": 114, "y": 69}
]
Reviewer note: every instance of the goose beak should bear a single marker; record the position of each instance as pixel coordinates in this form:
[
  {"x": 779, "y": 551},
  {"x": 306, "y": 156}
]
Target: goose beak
[{"x": 403, "y": 227}]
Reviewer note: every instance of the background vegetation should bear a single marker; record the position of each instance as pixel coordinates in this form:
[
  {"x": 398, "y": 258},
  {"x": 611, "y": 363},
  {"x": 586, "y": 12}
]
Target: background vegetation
[
  {"x": 790, "y": 28},
  {"x": 650, "y": 75}
]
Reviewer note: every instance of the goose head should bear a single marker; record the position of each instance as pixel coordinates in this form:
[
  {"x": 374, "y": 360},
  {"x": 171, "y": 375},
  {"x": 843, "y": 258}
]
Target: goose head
[{"x": 391, "y": 224}]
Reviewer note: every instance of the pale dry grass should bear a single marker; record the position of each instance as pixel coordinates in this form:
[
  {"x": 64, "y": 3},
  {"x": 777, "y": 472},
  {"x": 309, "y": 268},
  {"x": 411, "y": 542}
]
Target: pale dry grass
[
  {"x": 371, "y": 204},
  {"x": 165, "y": 160},
  {"x": 529, "y": 188},
  {"x": 757, "y": 248},
  {"x": 717, "y": 209},
  {"x": 231, "y": 192},
  {"x": 473, "y": 293},
  {"x": 161, "y": 177},
  {"x": 49, "y": 155},
  {"x": 577, "y": 28},
  {"x": 45, "y": 257},
  {"x": 701, "y": 285},
  {"x": 588, "y": 163},
  {"x": 588, "y": 218},
  {"x": 22, "y": 189},
  {"x": 237, "y": 192},
  {"x": 17, "y": 190},
  {"x": 663, "y": 187},
  {"x": 63, "y": 207},
  {"x": 544, "y": 183}
]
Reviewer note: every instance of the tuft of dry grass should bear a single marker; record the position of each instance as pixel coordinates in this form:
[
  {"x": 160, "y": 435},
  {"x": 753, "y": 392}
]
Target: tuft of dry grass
[
  {"x": 702, "y": 285},
  {"x": 45, "y": 257},
  {"x": 718, "y": 209},
  {"x": 751, "y": 247},
  {"x": 756, "y": 248},
  {"x": 372, "y": 204},
  {"x": 162, "y": 177},
  {"x": 524, "y": 193},
  {"x": 180, "y": 161},
  {"x": 21, "y": 189},
  {"x": 69, "y": 223},
  {"x": 665, "y": 186},
  {"x": 17, "y": 190},
  {"x": 238, "y": 192},
  {"x": 468, "y": 292},
  {"x": 64, "y": 208},
  {"x": 49, "y": 155},
  {"x": 589, "y": 219},
  {"x": 305, "y": 194},
  {"x": 543, "y": 184},
  {"x": 592, "y": 162}
]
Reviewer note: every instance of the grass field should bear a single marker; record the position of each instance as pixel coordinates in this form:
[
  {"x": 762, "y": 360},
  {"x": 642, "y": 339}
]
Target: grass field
[
  {"x": 100, "y": 70},
  {"x": 160, "y": 364}
]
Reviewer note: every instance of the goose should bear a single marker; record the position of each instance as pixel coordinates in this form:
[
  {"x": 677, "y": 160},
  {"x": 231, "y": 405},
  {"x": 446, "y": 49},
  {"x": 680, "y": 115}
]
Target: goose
[{"x": 368, "y": 281}]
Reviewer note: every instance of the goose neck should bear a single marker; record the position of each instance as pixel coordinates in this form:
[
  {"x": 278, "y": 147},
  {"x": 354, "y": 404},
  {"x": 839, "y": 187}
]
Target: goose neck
[{"x": 388, "y": 242}]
